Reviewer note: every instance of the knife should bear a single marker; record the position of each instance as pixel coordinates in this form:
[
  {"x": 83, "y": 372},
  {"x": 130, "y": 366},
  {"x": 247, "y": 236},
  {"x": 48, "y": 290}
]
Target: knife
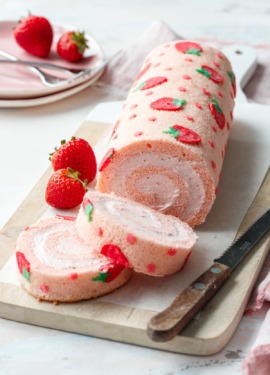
[{"x": 165, "y": 325}]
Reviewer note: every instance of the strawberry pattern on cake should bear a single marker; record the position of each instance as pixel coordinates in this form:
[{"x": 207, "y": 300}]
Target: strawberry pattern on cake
[{"x": 168, "y": 147}]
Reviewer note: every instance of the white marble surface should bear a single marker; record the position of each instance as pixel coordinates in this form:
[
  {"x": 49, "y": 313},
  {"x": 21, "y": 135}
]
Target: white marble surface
[{"x": 29, "y": 134}]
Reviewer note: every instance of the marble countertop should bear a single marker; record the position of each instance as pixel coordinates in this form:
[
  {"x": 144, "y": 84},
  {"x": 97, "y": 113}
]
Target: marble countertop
[{"x": 26, "y": 349}]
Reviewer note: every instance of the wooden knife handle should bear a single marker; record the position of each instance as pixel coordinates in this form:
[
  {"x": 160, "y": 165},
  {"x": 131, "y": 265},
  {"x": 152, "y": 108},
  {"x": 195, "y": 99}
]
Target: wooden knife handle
[{"x": 167, "y": 324}]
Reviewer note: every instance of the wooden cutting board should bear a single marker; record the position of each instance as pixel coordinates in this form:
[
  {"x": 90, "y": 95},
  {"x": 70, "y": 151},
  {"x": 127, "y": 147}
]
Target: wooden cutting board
[
  {"x": 124, "y": 314},
  {"x": 206, "y": 334}
]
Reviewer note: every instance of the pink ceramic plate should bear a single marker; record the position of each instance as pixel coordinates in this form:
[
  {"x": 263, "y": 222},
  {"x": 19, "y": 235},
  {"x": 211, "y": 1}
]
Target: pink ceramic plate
[{"x": 18, "y": 82}]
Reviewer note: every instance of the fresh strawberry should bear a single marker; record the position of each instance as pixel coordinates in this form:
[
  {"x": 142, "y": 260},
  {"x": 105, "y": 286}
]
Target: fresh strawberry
[
  {"x": 210, "y": 73},
  {"x": 35, "y": 35},
  {"x": 151, "y": 82},
  {"x": 78, "y": 155},
  {"x": 217, "y": 113},
  {"x": 183, "y": 134},
  {"x": 106, "y": 159},
  {"x": 189, "y": 48},
  {"x": 65, "y": 189},
  {"x": 72, "y": 45},
  {"x": 168, "y": 104}
]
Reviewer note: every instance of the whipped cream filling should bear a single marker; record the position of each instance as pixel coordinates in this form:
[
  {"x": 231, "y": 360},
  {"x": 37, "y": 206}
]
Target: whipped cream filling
[
  {"x": 169, "y": 230},
  {"x": 58, "y": 247},
  {"x": 164, "y": 188}
]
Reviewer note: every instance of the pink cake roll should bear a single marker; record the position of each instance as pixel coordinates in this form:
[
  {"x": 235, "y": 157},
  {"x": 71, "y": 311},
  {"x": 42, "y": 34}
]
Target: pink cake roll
[
  {"x": 167, "y": 148},
  {"x": 134, "y": 235},
  {"x": 56, "y": 265}
]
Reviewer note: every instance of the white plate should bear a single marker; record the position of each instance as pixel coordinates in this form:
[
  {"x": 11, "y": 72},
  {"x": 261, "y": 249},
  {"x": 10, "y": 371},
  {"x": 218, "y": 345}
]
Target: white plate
[
  {"x": 31, "y": 102},
  {"x": 18, "y": 82}
]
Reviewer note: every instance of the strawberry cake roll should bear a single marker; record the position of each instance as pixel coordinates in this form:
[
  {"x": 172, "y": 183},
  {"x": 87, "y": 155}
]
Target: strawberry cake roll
[
  {"x": 56, "y": 265},
  {"x": 167, "y": 148},
  {"x": 134, "y": 235}
]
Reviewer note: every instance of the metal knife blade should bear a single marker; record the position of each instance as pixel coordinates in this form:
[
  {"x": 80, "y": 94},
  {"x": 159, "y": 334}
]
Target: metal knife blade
[
  {"x": 167, "y": 324},
  {"x": 241, "y": 247}
]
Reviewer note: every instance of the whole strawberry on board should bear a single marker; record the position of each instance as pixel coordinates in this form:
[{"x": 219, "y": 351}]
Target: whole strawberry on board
[
  {"x": 65, "y": 189},
  {"x": 78, "y": 155},
  {"x": 35, "y": 35},
  {"x": 72, "y": 45}
]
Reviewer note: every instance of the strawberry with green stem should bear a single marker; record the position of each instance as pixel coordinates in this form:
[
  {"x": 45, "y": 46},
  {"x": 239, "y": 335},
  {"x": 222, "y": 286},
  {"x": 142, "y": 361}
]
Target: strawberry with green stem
[
  {"x": 233, "y": 81},
  {"x": 111, "y": 273},
  {"x": 150, "y": 83},
  {"x": 183, "y": 134},
  {"x": 189, "y": 48},
  {"x": 168, "y": 104},
  {"x": 76, "y": 154},
  {"x": 23, "y": 265},
  {"x": 211, "y": 74},
  {"x": 88, "y": 208},
  {"x": 217, "y": 113},
  {"x": 106, "y": 159},
  {"x": 72, "y": 45},
  {"x": 65, "y": 189}
]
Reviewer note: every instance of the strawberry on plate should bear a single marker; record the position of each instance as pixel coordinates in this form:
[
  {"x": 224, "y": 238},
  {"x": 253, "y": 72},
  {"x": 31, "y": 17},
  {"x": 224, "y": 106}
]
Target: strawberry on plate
[
  {"x": 35, "y": 35},
  {"x": 65, "y": 189},
  {"x": 78, "y": 155},
  {"x": 72, "y": 45}
]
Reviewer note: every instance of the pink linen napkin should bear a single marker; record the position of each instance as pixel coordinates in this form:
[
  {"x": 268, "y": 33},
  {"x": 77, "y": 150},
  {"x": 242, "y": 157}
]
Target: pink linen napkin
[{"x": 120, "y": 74}]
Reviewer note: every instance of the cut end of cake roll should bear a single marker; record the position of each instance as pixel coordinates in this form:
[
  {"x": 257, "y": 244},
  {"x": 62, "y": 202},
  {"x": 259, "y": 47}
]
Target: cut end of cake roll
[
  {"x": 168, "y": 145},
  {"x": 134, "y": 235},
  {"x": 56, "y": 265}
]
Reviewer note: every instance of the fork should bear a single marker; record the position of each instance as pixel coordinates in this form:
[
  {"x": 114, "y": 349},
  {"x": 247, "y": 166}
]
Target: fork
[{"x": 49, "y": 79}]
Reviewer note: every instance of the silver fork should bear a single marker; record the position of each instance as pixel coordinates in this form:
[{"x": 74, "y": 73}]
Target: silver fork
[{"x": 51, "y": 80}]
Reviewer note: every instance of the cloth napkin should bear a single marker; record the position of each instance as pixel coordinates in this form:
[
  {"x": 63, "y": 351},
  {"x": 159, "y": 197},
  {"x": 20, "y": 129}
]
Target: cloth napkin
[{"x": 120, "y": 74}]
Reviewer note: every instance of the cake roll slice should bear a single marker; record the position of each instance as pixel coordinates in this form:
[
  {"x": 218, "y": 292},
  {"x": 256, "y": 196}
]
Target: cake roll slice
[
  {"x": 134, "y": 235},
  {"x": 167, "y": 147},
  {"x": 56, "y": 265}
]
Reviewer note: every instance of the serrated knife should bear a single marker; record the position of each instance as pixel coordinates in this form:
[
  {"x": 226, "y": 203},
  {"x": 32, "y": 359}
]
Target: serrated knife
[{"x": 167, "y": 324}]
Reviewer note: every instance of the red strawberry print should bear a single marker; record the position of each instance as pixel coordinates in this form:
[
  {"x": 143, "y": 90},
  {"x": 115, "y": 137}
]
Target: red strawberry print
[
  {"x": 183, "y": 134},
  {"x": 210, "y": 73},
  {"x": 232, "y": 78},
  {"x": 189, "y": 48},
  {"x": 217, "y": 113},
  {"x": 151, "y": 82},
  {"x": 112, "y": 272},
  {"x": 23, "y": 265},
  {"x": 106, "y": 159},
  {"x": 168, "y": 104},
  {"x": 144, "y": 70},
  {"x": 115, "y": 253}
]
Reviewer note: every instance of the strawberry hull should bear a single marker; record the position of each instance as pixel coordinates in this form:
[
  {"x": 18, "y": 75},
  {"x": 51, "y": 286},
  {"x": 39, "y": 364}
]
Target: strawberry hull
[{"x": 170, "y": 140}]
